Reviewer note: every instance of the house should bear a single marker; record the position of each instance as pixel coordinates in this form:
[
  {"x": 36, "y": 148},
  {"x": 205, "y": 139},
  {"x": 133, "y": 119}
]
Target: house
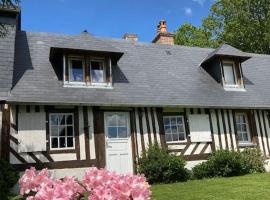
[{"x": 73, "y": 101}]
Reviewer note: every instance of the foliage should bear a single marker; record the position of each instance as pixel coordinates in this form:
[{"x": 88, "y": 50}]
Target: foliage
[
  {"x": 8, "y": 177},
  {"x": 253, "y": 160},
  {"x": 225, "y": 163},
  {"x": 96, "y": 185},
  {"x": 190, "y": 35},
  {"x": 249, "y": 187},
  {"x": 240, "y": 23},
  {"x": 161, "y": 167}
]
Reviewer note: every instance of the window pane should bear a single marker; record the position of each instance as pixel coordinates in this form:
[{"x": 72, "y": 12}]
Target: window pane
[
  {"x": 228, "y": 73},
  {"x": 181, "y": 136},
  {"x": 54, "y": 130},
  {"x": 175, "y": 137},
  {"x": 54, "y": 120},
  {"x": 70, "y": 142},
  {"x": 77, "y": 70},
  {"x": 174, "y": 129},
  {"x": 244, "y": 128},
  {"x": 180, "y": 128},
  {"x": 238, "y": 126},
  {"x": 122, "y": 132},
  {"x": 245, "y": 137},
  {"x": 179, "y": 120},
  {"x": 97, "y": 72},
  {"x": 166, "y": 121},
  {"x": 168, "y": 137},
  {"x": 62, "y": 119},
  {"x": 122, "y": 121},
  {"x": 62, "y": 131},
  {"x": 173, "y": 120},
  {"x": 62, "y": 142},
  {"x": 54, "y": 142},
  {"x": 112, "y": 132},
  {"x": 69, "y": 131},
  {"x": 167, "y": 129},
  {"x": 240, "y": 137},
  {"x": 111, "y": 120},
  {"x": 69, "y": 119}
]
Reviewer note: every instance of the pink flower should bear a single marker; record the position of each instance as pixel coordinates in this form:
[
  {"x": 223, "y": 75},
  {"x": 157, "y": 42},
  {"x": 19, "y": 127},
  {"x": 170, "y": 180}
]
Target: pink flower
[{"x": 97, "y": 184}]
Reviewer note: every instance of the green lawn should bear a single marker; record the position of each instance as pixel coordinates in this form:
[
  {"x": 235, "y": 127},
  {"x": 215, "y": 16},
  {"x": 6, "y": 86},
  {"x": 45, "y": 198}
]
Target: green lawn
[{"x": 250, "y": 187}]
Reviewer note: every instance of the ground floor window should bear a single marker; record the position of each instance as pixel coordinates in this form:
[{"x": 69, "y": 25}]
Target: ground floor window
[
  {"x": 174, "y": 127},
  {"x": 61, "y": 131},
  {"x": 242, "y": 127}
]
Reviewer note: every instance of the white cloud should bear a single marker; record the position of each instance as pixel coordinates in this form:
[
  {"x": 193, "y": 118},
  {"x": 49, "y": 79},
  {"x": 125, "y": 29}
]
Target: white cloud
[
  {"x": 188, "y": 11},
  {"x": 201, "y": 2}
]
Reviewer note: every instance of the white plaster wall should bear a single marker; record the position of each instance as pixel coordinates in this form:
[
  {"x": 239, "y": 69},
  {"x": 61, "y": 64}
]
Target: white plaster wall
[{"x": 191, "y": 164}]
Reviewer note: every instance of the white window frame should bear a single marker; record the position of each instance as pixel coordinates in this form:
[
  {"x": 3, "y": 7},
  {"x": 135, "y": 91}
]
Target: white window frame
[
  {"x": 104, "y": 72},
  {"x": 80, "y": 58},
  {"x": 234, "y": 74},
  {"x": 184, "y": 128},
  {"x": 50, "y": 136},
  {"x": 247, "y": 128}
]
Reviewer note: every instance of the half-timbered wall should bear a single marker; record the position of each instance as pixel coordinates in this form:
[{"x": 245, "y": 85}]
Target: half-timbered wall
[
  {"x": 82, "y": 156},
  {"x": 146, "y": 129}
]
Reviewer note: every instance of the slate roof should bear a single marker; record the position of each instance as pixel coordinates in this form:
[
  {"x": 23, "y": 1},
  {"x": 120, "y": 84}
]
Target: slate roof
[
  {"x": 7, "y": 49},
  {"x": 147, "y": 75}
]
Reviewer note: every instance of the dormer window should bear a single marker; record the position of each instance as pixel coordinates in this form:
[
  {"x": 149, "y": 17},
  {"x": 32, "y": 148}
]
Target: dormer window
[
  {"x": 97, "y": 71},
  {"x": 229, "y": 73},
  {"x": 87, "y": 71},
  {"x": 224, "y": 64},
  {"x": 76, "y": 67},
  {"x": 232, "y": 75}
]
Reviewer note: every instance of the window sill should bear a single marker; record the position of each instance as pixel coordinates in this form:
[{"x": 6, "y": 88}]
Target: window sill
[
  {"x": 248, "y": 144},
  {"x": 56, "y": 151},
  {"x": 83, "y": 85},
  {"x": 235, "y": 88},
  {"x": 177, "y": 142}
]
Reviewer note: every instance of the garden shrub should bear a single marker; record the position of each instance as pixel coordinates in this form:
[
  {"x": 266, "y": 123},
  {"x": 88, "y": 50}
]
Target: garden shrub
[
  {"x": 161, "y": 167},
  {"x": 8, "y": 178},
  {"x": 225, "y": 163},
  {"x": 253, "y": 160}
]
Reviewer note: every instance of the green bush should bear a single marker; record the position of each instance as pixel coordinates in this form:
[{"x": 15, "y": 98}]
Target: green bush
[
  {"x": 161, "y": 167},
  {"x": 8, "y": 178},
  {"x": 253, "y": 161},
  {"x": 225, "y": 163}
]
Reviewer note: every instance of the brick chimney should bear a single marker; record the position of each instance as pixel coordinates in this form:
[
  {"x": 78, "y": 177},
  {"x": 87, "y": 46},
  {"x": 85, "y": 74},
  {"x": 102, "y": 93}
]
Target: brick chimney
[
  {"x": 131, "y": 37},
  {"x": 163, "y": 36}
]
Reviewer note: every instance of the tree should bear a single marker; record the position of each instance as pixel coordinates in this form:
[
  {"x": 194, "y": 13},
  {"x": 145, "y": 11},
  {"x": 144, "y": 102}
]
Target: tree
[
  {"x": 8, "y": 4},
  {"x": 244, "y": 24},
  {"x": 190, "y": 35}
]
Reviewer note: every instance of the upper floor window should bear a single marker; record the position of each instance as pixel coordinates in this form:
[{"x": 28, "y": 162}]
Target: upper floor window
[
  {"x": 97, "y": 71},
  {"x": 232, "y": 75},
  {"x": 229, "y": 73},
  {"x": 86, "y": 71},
  {"x": 174, "y": 128},
  {"x": 76, "y": 70}
]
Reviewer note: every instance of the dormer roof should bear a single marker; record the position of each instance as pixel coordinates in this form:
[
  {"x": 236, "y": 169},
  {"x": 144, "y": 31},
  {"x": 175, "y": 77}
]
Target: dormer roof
[{"x": 226, "y": 50}]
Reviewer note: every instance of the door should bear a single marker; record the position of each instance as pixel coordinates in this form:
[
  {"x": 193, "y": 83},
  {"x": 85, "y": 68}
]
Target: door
[{"x": 118, "y": 142}]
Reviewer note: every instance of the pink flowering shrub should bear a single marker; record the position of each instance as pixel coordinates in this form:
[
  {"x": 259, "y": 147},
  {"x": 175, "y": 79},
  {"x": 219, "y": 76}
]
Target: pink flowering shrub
[{"x": 96, "y": 185}]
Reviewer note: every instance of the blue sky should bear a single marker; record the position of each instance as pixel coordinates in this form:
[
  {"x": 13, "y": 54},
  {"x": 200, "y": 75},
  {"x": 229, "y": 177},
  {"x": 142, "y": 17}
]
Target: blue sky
[{"x": 111, "y": 18}]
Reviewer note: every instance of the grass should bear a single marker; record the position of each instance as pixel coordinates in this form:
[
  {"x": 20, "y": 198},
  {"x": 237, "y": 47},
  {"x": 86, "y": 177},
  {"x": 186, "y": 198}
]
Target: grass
[{"x": 250, "y": 187}]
